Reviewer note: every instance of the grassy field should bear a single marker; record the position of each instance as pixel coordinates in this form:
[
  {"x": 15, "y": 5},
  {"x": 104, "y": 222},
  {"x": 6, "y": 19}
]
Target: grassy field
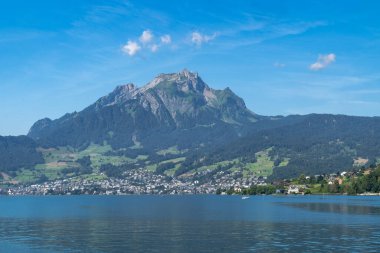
[
  {"x": 57, "y": 159},
  {"x": 284, "y": 162},
  {"x": 172, "y": 171},
  {"x": 177, "y": 161},
  {"x": 26, "y": 176},
  {"x": 172, "y": 151},
  {"x": 262, "y": 167},
  {"x": 214, "y": 166},
  {"x": 315, "y": 188},
  {"x": 151, "y": 167}
]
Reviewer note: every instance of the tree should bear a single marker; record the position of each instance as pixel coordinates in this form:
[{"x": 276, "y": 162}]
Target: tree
[{"x": 302, "y": 179}]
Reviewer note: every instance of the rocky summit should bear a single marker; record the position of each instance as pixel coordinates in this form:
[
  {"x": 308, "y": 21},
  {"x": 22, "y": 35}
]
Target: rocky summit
[{"x": 179, "y": 107}]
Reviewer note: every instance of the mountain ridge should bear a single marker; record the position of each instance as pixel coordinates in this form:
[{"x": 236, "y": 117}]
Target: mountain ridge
[{"x": 170, "y": 102}]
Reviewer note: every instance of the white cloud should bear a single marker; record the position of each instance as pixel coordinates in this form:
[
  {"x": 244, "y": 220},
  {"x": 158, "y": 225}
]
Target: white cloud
[
  {"x": 154, "y": 48},
  {"x": 146, "y": 36},
  {"x": 316, "y": 66},
  {"x": 198, "y": 38},
  {"x": 166, "y": 39},
  {"x": 131, "y": 48},
  {"x": 323, "y": 61},
  {"x": 146, "y": 42}
]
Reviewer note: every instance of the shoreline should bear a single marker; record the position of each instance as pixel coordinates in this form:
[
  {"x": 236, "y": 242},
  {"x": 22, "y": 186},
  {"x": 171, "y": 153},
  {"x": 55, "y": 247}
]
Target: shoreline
[{"x": 192, "y": 194}]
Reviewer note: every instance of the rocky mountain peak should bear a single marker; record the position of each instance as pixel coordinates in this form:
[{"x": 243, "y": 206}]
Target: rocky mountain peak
[
  {"x": 120, "y": 94},
  {"x": 170, "y": 102},
  {"x": 125, "y": 90},
  {"x": 188, "y": 74},
  {"x": 190, "y": 81},
  {"x": 184, "y": 81}
]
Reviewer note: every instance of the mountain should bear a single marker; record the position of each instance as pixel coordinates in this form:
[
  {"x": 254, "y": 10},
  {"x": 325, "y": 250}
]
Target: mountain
[
  {"x": 18, "y": 152},
  {"x": 173, "y": 109},
  {"x": 310, "y": 144},
  {"x": 177, "y": 126}
]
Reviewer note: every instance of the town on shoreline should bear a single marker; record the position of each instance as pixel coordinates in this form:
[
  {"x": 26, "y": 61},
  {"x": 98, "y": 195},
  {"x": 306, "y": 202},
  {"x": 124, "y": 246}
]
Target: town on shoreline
[{"x": 365, "y": 181}]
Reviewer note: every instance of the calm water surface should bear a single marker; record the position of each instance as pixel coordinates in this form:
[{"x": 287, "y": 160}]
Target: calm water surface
[{"x": 189, "y": 224}]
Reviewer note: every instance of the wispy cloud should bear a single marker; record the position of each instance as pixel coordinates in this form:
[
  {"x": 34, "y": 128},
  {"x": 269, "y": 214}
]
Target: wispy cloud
[
  {"x": 325, "y": 92},
  {"x": 278, "y": 65},
  {"x": 323, "y": 61},
  {"x": 265, "y": 29},
  {"x": 198, "y": 39},
  {"x": 154, "y": 48},
  {"x": 166, "y": 39},
  {"x": 285, "y": 29}
]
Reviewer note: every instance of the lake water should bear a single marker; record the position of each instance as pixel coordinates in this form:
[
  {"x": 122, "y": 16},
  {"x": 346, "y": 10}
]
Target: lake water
[{"x": 189, "y": 224}]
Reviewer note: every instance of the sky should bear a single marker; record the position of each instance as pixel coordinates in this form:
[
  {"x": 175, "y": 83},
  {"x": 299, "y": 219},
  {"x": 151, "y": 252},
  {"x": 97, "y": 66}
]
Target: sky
[{"x": 281, "y": 57}]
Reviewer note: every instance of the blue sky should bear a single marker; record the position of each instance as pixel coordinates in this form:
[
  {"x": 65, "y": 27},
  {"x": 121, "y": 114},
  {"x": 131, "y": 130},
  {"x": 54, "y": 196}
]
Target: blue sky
[{"x": 281, "y": 57}]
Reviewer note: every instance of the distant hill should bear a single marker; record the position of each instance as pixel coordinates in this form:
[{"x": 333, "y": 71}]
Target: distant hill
[
  {"x": 311, "y": 144},
  {"x": 18, "y": 152}
]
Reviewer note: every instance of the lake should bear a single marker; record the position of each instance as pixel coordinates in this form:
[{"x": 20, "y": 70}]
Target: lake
[{"x": 194, "y": 223}]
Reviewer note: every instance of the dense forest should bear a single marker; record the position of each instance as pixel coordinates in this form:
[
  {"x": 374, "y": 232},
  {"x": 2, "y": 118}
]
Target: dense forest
[
  {"x": 311, "y": 144},
  {"x": 314, "y": 144},
  {"x": 363, "y": 183},
  {"x": 18, "y": 152}
]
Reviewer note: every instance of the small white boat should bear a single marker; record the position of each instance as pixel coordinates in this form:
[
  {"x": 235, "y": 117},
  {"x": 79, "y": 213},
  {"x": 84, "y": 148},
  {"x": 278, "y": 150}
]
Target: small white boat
[{"x": 245, "y": 197}]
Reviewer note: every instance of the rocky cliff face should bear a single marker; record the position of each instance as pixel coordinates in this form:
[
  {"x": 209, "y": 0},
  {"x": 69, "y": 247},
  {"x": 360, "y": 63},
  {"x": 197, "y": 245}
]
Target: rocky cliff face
[{"x": 171, "y": 109}]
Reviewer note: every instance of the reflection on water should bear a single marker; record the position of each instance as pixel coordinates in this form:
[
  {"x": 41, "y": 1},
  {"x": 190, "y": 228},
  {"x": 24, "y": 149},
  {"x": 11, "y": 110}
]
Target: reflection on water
[
  {"x": 113, "y": 235},
  {"x": 338, "y": 208},
  {"x": 188, "y": 224}
]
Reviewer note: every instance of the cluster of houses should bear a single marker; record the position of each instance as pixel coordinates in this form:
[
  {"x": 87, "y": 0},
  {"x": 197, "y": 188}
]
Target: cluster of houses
[
  {"x": 302, "y": 188},
  {"x": 136, "y": 181},
  {"x": 140, "y": 181}
]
